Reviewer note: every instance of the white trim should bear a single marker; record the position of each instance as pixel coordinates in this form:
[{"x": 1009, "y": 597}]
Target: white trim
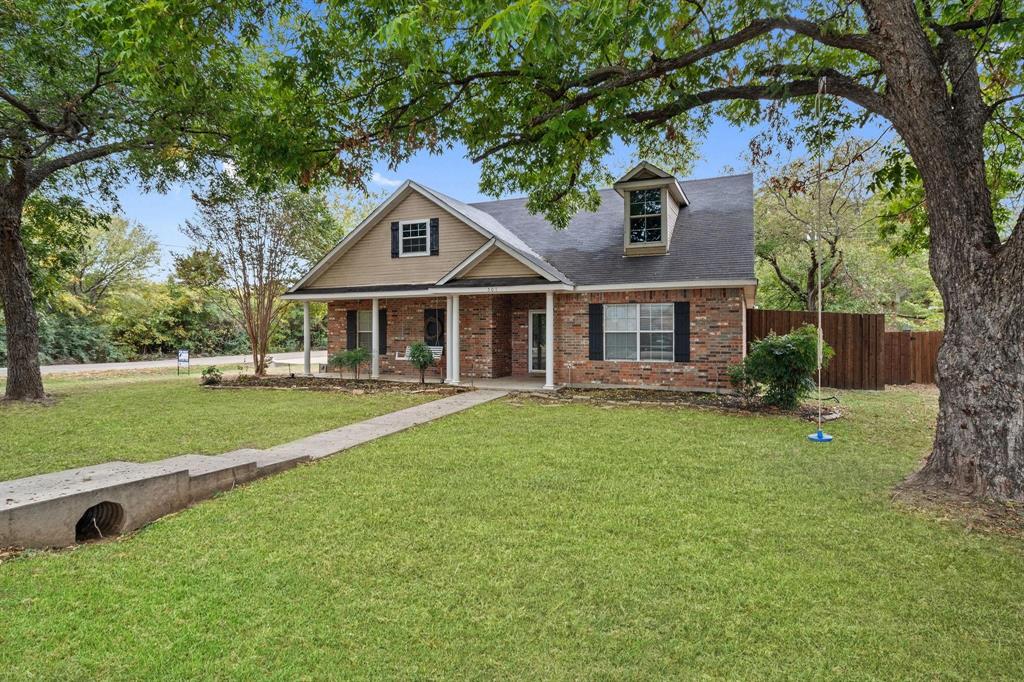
[
  {"x": 431, "y": 290},
  {"x": 664, "y": 179},
  {"x": 682, "y": 284},
  {"x": 401, "y": 238},
  {"x": 643, "y": 166},
  {"x": 529, "y": 339}
]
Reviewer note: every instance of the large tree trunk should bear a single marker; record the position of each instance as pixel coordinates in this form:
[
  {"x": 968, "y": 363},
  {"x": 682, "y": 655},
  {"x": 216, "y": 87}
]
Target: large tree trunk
[
  {"x": 24, "y": 381},
  {"x": 941, "y": 114}
]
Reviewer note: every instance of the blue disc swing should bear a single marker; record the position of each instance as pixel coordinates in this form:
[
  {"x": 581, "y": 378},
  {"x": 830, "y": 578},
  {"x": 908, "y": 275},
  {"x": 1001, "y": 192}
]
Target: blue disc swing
[{"x": 819, "y": 436}]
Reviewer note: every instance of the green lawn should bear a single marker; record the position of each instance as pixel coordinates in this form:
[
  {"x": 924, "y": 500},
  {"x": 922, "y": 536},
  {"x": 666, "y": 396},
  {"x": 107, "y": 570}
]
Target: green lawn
[
  {"x": 143, "y": 417},
  {"x": 532, "y": 541}
]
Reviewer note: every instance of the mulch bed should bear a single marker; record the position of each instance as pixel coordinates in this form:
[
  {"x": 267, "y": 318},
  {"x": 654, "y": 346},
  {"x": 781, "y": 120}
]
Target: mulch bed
[
  {"x": 357, "y": 387},
  {"x": 654, "y": 398}
]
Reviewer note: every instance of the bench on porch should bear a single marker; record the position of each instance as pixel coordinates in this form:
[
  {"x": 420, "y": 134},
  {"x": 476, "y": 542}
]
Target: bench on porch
[{"x": 436, "y": 351}]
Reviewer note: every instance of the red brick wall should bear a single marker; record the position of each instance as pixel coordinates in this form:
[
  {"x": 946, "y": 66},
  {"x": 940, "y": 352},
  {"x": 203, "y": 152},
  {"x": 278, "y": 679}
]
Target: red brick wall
[
  {"x": 494, "y": 335},
  {"x": 716, "y": 340}
]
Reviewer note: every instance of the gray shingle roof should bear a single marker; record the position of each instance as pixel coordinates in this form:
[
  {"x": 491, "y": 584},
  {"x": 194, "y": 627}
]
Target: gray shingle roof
[{"x": 713, "y": 237}]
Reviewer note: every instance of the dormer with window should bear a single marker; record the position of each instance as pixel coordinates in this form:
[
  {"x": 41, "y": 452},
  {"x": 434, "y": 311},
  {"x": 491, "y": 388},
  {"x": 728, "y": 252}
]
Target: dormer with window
[{"x": 652, "y": 200}]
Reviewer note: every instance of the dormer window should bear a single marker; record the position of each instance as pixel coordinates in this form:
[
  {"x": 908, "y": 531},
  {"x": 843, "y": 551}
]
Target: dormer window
[{"x": 645, "y": 216}]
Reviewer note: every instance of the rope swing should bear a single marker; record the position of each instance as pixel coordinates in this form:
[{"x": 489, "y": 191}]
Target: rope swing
[{"x": 819, "y": 436}]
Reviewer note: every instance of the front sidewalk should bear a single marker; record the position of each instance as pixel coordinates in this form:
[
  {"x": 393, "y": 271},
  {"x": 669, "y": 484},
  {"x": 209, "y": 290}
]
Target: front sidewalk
[{"x": 61, "y": 508}]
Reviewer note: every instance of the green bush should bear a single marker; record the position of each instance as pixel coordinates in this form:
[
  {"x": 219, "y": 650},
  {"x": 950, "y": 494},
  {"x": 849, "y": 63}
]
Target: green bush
[
  {"x": 353, "y": 359},
  {"x": 421, "y": 358},
  {"x": 211, "y": 376},
  {"x": 783, "y": 367}
]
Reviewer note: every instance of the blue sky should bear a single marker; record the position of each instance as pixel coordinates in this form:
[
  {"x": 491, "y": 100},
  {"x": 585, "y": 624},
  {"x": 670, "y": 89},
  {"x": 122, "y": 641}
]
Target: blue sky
[{"x": 450, "y": 173}]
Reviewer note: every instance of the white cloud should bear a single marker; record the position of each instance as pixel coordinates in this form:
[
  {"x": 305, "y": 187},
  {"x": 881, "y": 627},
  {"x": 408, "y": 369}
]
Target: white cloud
[{"x": 379, "y": 179}]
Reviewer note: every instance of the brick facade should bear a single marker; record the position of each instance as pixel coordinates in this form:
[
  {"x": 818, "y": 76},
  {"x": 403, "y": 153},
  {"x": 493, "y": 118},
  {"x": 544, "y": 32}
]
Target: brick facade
[{"x": 494, "y": 334}]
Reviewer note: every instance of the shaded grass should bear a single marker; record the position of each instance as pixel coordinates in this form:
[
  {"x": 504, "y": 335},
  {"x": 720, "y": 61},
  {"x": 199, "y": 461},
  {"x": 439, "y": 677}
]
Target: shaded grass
[
  {"x": 564, "y": 541},
  {"x": 143, "y": 417}
]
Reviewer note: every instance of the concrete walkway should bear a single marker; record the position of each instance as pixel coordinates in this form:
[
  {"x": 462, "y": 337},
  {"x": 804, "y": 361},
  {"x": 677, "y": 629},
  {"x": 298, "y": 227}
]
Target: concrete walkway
[
  {"x": 115, "y": 497},
  {"x": 316, "y": 357}
]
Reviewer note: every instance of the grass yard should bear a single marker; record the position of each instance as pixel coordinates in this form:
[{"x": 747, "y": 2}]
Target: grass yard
[
  {"x": 546, "y": 542},
  {"x": 141, "y": 417}
]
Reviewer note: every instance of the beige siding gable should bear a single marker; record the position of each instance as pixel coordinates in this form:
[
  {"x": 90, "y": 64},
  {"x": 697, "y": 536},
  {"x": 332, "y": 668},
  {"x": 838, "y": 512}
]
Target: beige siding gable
[
  {"x": 499, "y": 264},
  {"x": 368, "y": 261}
]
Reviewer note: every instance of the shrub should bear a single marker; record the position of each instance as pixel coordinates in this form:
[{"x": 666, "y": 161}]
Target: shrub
[
  {"x": 211, "y": 376},
  {"x": 353, "y": 359},
  {"x": 421, "y": 358},
  {"x": 783, "y": 366}
]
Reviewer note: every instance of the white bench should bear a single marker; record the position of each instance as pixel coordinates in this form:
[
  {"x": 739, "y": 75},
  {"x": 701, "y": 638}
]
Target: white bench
[{"x": 436, "y": 351}]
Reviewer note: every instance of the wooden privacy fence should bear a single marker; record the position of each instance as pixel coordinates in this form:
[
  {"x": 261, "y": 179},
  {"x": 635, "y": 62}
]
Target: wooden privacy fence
[
  {"x": 866, "y": 356},
  {"x": 858, "y": 340},
  {"x": 911, "y": 357}
]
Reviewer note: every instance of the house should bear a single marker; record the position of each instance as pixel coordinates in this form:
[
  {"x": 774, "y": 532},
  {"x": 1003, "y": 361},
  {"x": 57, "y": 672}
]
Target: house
[{"x": 650, "y": 289}]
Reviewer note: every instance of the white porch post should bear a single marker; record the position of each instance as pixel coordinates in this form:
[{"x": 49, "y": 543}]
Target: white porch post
[
  {"x": 448, "y": 341},
  {"x": 454, "y": 342},
  {"x": 305, "y": 337},
  {"x": 549, "y": 341},
  {"x": 375, "y": 343}
]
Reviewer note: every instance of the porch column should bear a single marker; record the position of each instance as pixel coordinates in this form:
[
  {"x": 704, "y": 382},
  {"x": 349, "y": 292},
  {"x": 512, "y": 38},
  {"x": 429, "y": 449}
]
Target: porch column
[
  {"x": 549, "y": 341},
  {"x": 375, "y": 343},
  {"x": 448, "y": 341},
  {"x": 454, "y": 342},
  {"x": 305, "y": 337}
]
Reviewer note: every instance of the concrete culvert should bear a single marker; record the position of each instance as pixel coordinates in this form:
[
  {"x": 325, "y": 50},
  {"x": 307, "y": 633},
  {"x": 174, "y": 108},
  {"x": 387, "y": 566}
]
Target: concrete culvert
[{"x": 100, "y": 521}]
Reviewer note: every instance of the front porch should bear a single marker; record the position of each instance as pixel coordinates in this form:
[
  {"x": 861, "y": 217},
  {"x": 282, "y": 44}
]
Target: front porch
[{"x": 493, "y": 340}]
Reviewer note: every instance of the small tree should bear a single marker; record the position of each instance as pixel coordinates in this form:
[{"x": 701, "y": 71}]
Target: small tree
[
  {"x": 353, "y": 359},
  {"x": 252, "y": 236},
  {"x": 784, "y": 365},
  {"x": 421, "y": 358}
]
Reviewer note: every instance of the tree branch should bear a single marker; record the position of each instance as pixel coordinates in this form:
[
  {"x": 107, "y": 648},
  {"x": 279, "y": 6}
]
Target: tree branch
[{"x": 47, "y": 169}]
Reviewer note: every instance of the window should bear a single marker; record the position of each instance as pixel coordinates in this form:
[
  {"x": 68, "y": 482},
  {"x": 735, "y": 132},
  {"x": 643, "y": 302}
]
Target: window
[
  {"x": 414, "y": 239},
  {"x": 644, "y": 216},
  {"x": 639, "y": 331},
  {"x": 364, "y": 329}
]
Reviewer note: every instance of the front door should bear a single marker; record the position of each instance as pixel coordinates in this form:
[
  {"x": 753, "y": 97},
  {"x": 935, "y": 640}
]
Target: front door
[{"x": 538, "y": 332}]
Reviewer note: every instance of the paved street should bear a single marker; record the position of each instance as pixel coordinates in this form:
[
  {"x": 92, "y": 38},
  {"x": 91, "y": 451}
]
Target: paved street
[{"x": 287, "y": 358}]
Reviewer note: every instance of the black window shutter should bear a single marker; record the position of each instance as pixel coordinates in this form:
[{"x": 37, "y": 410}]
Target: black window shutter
[
  {"x": 394, "y": 239},
  {"x": 382, "y": 323},
  {"x": 443, "y": 338},
  {"x": 682, "y": 327},
  {"x": 596, "y": 331},
  {"x": 350, "y": 329},
  {"x": 434, "y": 244}
]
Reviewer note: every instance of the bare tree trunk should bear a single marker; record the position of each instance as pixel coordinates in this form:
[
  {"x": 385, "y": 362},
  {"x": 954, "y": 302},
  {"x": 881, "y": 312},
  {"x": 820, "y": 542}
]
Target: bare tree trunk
[{"x": 24, "y": 380}]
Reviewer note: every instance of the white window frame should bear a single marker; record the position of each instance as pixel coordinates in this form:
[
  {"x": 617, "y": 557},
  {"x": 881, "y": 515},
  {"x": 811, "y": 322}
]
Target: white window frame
[
  {"x": 401, "y": 238},
  {"x": 660, "y": 215},
  {"x": 637, "y": 332},
  {"x": 360, "y": 331}
]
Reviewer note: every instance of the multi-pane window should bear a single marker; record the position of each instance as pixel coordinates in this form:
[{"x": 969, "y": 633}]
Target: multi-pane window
[
  {"x": 364, "y": 329},
  {"x": 639, "y": 331},
  {"x": 644, "y": 216},
  {"x": 415, "y": 239}
]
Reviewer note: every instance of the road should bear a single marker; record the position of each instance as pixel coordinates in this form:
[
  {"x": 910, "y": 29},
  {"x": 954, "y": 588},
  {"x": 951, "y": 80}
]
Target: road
[{"x": 318, "y": 356}]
